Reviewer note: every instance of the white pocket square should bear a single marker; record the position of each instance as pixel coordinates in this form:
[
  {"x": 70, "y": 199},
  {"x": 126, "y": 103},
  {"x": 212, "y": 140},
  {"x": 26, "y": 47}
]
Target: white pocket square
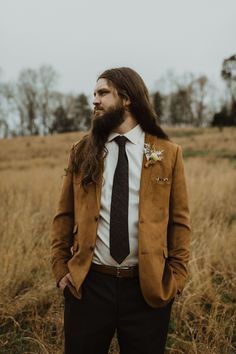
[{"x": 162, "y": 180}]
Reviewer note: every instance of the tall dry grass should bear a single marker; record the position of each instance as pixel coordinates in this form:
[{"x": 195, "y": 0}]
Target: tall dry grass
[{"x": 31, "y": 308}]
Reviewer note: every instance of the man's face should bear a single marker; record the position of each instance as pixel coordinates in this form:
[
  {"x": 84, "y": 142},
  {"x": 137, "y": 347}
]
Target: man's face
[
  {"x": 106, "y": 98},
  {"x": 109, "y": 110}
]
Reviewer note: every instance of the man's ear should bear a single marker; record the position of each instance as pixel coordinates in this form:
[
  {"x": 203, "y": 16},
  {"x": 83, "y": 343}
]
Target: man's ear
[{"x": 126, "y": 102}]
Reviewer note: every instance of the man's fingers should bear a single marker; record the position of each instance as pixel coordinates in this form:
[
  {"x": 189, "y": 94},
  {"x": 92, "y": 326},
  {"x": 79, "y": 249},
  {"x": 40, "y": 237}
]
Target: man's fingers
[
  {"x": 64, "y": 281},
  {"x": 62, "y": 286},
  {"x": 69, "y": 278}
]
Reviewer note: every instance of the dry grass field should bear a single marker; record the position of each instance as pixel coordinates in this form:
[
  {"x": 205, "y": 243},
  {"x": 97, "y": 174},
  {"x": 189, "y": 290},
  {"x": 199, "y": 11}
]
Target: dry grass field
[{"x": 31, "y": 308}]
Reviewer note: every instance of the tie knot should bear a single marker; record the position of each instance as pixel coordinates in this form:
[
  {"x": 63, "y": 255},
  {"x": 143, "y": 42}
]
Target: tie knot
[{"x": 121, "y": 140}]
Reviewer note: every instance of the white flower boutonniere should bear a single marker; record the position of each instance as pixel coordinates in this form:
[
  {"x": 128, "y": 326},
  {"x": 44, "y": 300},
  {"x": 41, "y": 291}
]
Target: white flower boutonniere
[{"x": 152, "y": 155}]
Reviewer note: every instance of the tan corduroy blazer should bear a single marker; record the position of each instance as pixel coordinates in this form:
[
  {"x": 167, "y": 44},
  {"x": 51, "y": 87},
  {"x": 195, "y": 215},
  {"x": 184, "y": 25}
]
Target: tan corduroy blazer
[{"x": 163, "y": 233}]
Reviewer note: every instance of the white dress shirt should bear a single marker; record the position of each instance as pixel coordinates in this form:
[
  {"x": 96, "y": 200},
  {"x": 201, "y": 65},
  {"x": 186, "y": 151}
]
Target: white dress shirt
[{"x": 134, "y": 149}]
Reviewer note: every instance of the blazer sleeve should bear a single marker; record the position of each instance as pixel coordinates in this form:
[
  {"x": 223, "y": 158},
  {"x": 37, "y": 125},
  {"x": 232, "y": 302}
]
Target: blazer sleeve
[
  {"x": 62, "y": 225},
  {"x": 179, "y": 230}
]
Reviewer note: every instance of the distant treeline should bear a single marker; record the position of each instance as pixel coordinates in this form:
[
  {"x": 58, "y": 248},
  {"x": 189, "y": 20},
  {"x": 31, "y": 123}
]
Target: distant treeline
[{"x": 33, "y": 106}]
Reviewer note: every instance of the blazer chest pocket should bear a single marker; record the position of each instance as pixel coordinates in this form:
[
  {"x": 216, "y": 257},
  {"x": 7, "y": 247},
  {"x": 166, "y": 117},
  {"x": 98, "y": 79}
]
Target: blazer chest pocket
[
  {"x": 161, "y": 180},
  {"x": 160, "y": 189},
  {"x": 75, "y": 246}
]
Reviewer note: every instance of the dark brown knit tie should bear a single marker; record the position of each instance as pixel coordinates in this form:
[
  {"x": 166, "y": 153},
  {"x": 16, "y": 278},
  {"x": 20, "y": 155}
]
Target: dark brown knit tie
[{"x": 119, "y": 231}]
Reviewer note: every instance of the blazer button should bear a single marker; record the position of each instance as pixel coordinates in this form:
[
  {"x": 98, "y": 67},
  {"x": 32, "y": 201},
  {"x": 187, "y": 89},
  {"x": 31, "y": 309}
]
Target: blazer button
[
  {"x": 91, "y": 248},
  {"x": 96, "y": 218}
]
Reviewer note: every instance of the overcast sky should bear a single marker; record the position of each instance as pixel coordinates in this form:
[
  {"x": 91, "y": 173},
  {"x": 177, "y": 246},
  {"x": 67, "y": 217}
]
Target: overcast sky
[{"x": 82, "y": 38}]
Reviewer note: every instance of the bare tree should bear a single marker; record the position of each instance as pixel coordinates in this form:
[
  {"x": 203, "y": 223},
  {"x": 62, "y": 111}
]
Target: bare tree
[
  {"x": 27, "y": 88},
  {"x": 186, "y": 99},
  {"x": 81, "y": 112},
  {"x": 4, "y": 129},
  {"x": 180, "y": 107},
  {"x": 176, "y": 94},
  {"x": 6, "y": 108},
  {"x": 3, "y": 122},
  {"x": 157, "y": 104},
  {"x": 47, "y": 78},
  {"x": 200, "y": 89},
  {"x": 228, "y": 73}
]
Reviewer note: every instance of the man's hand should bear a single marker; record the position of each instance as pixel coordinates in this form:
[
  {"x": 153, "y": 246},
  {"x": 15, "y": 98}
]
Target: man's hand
[{"x": 66, "y": 280}]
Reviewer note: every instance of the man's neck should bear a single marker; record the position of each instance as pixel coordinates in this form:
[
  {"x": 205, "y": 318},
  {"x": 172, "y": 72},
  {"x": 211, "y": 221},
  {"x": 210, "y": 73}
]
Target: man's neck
[{"x": 129, "y": 123}]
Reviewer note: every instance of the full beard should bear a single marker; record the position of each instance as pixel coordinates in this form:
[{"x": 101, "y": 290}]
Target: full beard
[{"x": 103, "y": 125}]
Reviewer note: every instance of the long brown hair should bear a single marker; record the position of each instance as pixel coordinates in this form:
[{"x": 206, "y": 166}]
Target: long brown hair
[{"x": 88, "y": 152}]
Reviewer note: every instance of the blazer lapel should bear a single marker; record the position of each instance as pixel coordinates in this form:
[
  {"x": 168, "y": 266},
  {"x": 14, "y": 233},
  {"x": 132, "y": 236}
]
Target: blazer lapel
[{"x": 146, "y": 171}]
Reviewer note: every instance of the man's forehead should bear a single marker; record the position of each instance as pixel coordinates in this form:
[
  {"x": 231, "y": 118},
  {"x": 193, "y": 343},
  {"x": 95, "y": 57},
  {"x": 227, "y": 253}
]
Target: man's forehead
[{"x": 103, "y": 84}]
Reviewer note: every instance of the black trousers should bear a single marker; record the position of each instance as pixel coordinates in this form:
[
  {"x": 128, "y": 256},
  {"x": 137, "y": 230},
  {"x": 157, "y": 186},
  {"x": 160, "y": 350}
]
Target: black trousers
[{"x": 109, "y": 303}]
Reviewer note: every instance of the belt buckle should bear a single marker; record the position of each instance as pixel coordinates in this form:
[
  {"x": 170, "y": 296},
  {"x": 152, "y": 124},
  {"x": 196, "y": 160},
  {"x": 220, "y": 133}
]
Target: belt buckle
[{"x": 118, "y": 271}]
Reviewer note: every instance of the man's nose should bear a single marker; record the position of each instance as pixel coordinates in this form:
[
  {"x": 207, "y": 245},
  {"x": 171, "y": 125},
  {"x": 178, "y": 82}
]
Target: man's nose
[{"x": 96, "y": 100}]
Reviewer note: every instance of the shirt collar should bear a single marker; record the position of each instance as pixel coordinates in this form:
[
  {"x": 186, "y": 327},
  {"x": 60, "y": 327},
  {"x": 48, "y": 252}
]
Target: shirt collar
[{"x": 134, "y": 135}]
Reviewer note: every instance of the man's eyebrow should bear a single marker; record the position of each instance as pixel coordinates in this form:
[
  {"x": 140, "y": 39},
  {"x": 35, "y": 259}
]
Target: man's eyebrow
[{"x": 101, "y": 90}]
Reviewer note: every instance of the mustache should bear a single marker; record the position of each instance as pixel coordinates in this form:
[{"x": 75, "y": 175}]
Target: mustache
[
  {"x": 102, "y": 126},
  {"x": 97, "y": 109}
]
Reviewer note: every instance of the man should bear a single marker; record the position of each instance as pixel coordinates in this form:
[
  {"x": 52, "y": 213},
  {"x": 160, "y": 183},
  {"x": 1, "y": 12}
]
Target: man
[{"x": 120, "y": 236}]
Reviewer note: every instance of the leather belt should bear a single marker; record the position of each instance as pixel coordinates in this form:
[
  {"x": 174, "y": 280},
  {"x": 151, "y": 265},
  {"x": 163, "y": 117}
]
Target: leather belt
[{"x": 119, "y": 272}]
